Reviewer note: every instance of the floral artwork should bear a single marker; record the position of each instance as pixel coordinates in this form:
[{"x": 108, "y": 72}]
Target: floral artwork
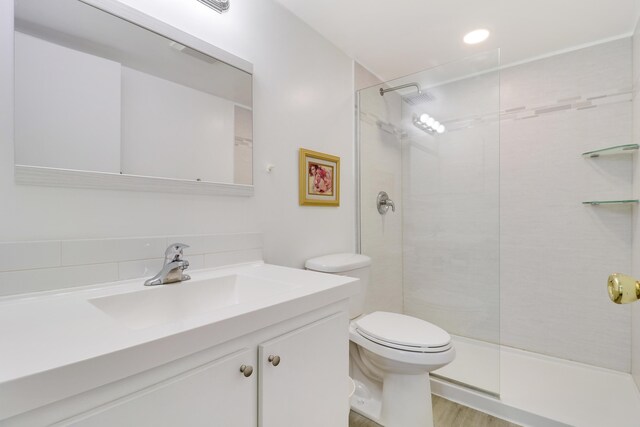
[{"x": 319, "y": 178}]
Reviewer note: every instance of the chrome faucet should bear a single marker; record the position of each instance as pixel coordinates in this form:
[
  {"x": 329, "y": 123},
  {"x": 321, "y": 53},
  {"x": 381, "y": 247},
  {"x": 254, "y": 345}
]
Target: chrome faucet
[{"x": 174, "y": 266}]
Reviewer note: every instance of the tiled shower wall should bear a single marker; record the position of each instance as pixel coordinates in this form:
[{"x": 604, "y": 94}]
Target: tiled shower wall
[
  {"x": 51, "y": 265},
  {"x": 555, "y": 252}
]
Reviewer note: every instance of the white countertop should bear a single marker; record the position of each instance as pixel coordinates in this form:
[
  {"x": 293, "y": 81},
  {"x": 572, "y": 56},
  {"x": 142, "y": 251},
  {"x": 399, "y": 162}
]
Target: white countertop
[{"x": 45, "y": 337}]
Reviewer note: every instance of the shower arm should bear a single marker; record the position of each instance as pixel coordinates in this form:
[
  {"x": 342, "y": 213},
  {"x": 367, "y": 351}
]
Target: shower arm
[{"x": 391, "y": 89}]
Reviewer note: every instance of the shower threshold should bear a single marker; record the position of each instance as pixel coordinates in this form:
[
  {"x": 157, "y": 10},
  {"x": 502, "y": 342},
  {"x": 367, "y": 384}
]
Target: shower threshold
[
  {"x": 477, "y": 365},
  {"x": 538, "y": 390}
]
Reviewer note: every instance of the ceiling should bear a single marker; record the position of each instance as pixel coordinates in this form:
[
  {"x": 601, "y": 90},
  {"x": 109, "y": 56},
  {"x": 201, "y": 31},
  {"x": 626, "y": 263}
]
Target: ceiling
[{"x": 396, "y": 38}]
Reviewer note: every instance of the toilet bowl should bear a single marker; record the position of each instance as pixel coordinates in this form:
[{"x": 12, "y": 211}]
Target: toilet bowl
[{"x": 390, "y": 354}]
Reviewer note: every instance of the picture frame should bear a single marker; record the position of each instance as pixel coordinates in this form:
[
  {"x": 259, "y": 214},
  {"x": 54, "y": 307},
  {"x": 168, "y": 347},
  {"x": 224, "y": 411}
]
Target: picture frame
[{"x": 319, "y": 179}]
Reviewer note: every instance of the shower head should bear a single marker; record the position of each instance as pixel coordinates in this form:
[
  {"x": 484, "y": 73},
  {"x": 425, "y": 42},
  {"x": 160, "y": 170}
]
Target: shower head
[{"x": 418, "y": 98}]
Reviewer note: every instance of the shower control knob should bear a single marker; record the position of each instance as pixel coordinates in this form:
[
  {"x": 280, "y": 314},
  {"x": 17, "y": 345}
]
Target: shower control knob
[
  {"x": 383, "y": 203},
  {"x": 246, "y": 370},
  {"x": 275, "y": 360}
]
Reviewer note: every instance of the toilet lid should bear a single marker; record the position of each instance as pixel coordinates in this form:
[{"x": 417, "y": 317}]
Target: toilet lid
[{"x": 403, "y": 332}]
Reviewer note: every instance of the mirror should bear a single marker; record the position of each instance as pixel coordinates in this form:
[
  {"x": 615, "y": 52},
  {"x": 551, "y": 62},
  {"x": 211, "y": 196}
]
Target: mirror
[{"x": 99, "y": 94}]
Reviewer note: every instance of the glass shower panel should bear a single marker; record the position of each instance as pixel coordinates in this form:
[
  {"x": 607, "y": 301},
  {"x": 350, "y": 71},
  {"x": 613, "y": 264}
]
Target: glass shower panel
[
  {"x": 436, "y": 153},
  {"x": 380, "y": 169},
  {"x": 451, "y": 218}
]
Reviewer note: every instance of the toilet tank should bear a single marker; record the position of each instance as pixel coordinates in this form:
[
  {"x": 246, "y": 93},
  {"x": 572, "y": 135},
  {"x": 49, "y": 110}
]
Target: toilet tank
[{"x": 347, "y": 264}]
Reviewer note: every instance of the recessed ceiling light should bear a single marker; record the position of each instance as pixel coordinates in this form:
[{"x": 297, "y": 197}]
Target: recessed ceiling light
[{"x": 476, "y": 36}]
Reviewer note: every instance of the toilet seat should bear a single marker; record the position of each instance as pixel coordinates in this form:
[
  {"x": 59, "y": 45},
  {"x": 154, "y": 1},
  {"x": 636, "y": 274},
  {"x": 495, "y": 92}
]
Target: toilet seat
[{"x": 401, "y": 332}]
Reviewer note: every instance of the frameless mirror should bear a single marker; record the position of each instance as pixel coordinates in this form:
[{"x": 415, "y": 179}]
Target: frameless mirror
[{"x": 98, "y": 93}]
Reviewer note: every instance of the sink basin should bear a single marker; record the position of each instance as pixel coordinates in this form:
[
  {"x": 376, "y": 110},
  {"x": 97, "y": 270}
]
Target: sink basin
[{"x": 175, "y": 302}]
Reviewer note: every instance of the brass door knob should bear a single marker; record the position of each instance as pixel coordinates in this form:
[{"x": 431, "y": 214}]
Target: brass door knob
[
  {"x": 623, "y": 289},
  {"x": 246, "y": 370},
  {"x": 275, "y": 360}
]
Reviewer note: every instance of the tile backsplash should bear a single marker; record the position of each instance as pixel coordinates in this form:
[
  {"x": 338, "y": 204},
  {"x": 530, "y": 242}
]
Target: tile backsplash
[{"x": 49, "y": 265}]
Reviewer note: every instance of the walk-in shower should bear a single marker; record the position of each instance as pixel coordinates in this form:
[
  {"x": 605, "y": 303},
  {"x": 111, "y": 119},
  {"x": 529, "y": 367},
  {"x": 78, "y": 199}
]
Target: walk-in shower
[{"x": 491, "y": 239}]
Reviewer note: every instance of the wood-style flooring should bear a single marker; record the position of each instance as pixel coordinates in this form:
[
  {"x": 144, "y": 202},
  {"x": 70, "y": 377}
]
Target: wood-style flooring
[{"x": 445, "y": 414}]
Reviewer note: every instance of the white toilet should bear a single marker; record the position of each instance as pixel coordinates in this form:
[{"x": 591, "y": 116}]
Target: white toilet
[{"x": 390, "y": 354}]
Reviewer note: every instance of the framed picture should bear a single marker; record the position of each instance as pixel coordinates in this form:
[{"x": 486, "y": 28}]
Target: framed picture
[{"x": 319, "y": 179}]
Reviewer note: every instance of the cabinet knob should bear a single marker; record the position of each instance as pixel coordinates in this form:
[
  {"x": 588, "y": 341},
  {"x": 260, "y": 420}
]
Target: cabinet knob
[
  {"x": 247, "y": 370},
  {"x": 275, "y": 360}
]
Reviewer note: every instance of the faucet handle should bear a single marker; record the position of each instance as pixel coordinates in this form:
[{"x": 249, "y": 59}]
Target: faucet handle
[
  {"x": 383, "y": 202},
  {"x": 174, "y": 251}
]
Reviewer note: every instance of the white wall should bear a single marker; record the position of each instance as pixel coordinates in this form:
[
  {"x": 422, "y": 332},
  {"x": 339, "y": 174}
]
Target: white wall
[
  {"x": 364, "y": 78},
  {"x": 303, "y": 97}
]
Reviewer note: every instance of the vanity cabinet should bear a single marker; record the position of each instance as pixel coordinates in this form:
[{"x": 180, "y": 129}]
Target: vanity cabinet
[
  {"x": 295, "y": 374},
  {"x": 212, "y": 394},
  {"x": 300, "y": 380}
]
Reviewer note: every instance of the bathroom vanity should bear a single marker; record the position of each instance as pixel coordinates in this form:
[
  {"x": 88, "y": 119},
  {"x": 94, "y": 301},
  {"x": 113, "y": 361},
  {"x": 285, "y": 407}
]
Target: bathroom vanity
[{"x": 249, "y": 345}]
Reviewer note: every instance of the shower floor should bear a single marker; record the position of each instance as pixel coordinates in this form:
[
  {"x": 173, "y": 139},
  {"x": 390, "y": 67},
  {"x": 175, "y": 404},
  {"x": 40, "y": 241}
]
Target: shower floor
[{"x": 538, "y": 390}]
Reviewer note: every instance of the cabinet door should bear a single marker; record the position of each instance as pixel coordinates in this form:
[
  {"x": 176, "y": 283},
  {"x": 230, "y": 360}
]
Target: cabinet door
[
  {"x": 309, "y": 385},
  {"x": 214, "y": 394}
]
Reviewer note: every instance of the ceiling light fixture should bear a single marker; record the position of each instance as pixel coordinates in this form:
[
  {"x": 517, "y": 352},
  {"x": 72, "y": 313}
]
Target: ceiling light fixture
[
  {"x": 219, "y": 6},
  {"x": 476, "y": 36}
]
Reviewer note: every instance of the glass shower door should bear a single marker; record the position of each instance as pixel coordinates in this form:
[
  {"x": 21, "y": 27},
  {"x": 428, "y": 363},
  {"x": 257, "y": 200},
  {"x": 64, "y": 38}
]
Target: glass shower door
[{"x": 434, "y": 148}]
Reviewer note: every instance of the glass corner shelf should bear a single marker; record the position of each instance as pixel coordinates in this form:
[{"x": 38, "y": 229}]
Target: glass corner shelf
[
  {"x": 611, "y": 202},
  {"x": 618, "y": 149}
]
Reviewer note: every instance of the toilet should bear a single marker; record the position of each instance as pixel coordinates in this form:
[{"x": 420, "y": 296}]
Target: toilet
[{"x": 390, "y": 354}]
